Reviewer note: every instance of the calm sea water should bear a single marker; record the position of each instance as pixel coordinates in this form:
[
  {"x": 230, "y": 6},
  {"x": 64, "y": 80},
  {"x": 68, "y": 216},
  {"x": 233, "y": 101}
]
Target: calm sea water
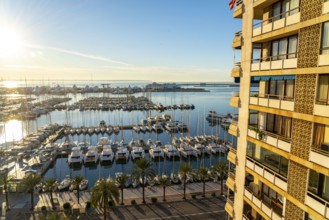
[{"x": 217, "y": 99}]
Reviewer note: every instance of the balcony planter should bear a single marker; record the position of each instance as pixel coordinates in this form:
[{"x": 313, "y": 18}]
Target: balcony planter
[{"x": 260, "y": 134}]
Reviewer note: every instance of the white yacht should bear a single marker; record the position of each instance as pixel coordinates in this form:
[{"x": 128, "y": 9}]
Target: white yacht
[
  {"x": 107, "y": 154},
  {"x": 136, "y": 128},
  {"x": 84, "y": 184},
  {"x": 156, "y": 151},
  {"x": 67, "y": 145},
  {"x": 187, "y": 150},
  {"x": 122, "y": 153},
  {"x": 91, "y": 155},
  {"x": 137, "y": 153},
  {"x": 181, "y": 126},
  {"x": 83, "y": 145},
  {"x": 171, "y": 126},
  {"x": 65, "y": 183},
  {"x": 171, "y": 151},
  {"x": 215, "y": 148},
  {"x": 103, "y": 141},
  {"x": 76, "y": 156},
  {"x": 132, "y": 143},
  {"x": 157, "y": 127},
  {"x": 201, "y": 149}
]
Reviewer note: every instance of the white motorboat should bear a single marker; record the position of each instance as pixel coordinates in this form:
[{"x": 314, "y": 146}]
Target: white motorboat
[
  {"x": 75, "y": 156},
  {"x": 156, "y": 151},
  {"x": 67, "y": 145},
  {"x": 65, "y": 184},
  {"x": 157, "y": 127},
  {"x": 117, "y": 175},
  {"x": 166, "y": 117},
  {"x": 174, "y": 178},
  {"x": 149, "y": 142},
  {"x": 132, "y": 143},
  {"x": 215, "y": 148},
  {"x": 136, "y": 128},
  {"x": 171, "y": 126},
  {"x": 91, "y": 155},
  {"x": 201, "y": 149},
  {"x": 129, "y": 181},
  {"x": 107, "y": 154},
  {"x": 122, "y": 153},
  {"x": 83, "y": 185},
  {"x": 116, "y": 129},
  {"x": 182, "y": 127},
  {"x": 104, "y": 141},
  {"x": 171, "y": 151},
  {"x": 137, "y": 153},
  {"x": 83, "y": 145},
  {"x": 142, "y": 128},
  {"x": 187, "y": 150}
]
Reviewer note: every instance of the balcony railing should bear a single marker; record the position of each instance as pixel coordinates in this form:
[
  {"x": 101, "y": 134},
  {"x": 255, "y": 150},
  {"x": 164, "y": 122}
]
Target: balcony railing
[
  {"x": 272, "y": 101},
  {"x": 236, "y": 70},
  {"x": 268, "y": 209},
  {"x": 267, "y": 173},
  {"x": 318, "y": 204},
  {"x": 282, "y": 61},
  {"x": 229, "y": 206},
  {"x": 324, "y": 55},
  {"x": 319, "y": 156},
  {"x": 279, "y": 21},
  {"x": 325, "y": 8}
]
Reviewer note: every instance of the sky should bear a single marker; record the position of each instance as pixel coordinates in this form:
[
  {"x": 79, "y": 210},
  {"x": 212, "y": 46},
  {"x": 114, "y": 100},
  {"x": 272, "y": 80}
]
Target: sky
[{"x": 157, "y": 40}]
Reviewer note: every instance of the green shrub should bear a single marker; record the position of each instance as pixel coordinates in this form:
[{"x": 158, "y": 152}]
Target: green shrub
[
  {"x": 213, "y": 194},
  {"x": 154, "y": 199},
  {"x": 43, "y": 208},
  {"x": 111, "y": 203},
  {"x": 133, "y": 202},
  {"x": 67, "y": 205},
  {"x": 193, "y": 196}
]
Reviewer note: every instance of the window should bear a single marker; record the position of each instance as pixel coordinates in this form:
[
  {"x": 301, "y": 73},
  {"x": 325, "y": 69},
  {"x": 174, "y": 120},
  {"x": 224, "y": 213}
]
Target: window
[
  {"x": 318, "y": 184},
  {"x": 323, "y": 90},
  {"x": 325, "y": 38},
  {"x": 284, "y": 8},
  {"x": 278, "y": 125},
  {"x": 285, "y": 48}
]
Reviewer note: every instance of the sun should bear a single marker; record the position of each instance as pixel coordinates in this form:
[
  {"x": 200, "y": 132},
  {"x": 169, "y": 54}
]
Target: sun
[
  {"x": 10, "y": 84},
  {"x": 10, "y": 44}
]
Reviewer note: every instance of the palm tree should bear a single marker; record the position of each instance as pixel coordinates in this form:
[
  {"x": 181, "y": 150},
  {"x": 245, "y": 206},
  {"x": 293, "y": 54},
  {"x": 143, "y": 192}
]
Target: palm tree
[
  {"x": 204, "y": 175},
  {"x": 164, "y": 181},
  {"x": 49, "y": 186},
  {"x": 143, "y": 169},
  {"x": 102, "y": 193},
  {"x": 121, "y": 181},
  {"x": 184, "y": 172},
  {"x": 5, "y": 180},
  {"x": 29, "y": 183},
  {"x": 76, "y": 182},
  {"x": 221, "y": 168}
]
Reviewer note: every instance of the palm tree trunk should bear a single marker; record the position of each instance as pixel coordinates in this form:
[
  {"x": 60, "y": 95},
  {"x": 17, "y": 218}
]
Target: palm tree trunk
[
  {"x": 184, "y": 184},
  {"x": 164, "y": 193},
  {"x": 32, "y": 200},
  {"x": 122, "y": 196},
  {"x": 221, "y": 186},
  {"x": 143, "y": 190},
  {"x": 78, "y": 194},
  {"x": 104, "y": 208},
  {"x": 7, "y": 200},
  {"x": 51, "y": 199},
  {"x": 204, "y": 188}
]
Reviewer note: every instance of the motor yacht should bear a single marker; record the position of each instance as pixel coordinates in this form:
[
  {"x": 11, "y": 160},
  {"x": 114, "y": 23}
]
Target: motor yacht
[
  {"x": 75, "y": 156},
  {"x": 215, "y": 148},
  {"x": 201, "y": 149},
  {"x": 107, "y": 154},
  {"x": 91, "y": 155},
  {"x": 122, "y": 153},
  {"x": 157, "y": 127},
  {"x": 171, "y": 126},
  {"x": 156, "y": 151},
  {"x": 137, "y": 153},
  {"x": 103, "y": 141},
  {"x": 187, "y": 150},
  {"x": 65, "y": 184},
  {"x": 170, "y": 151},
  {"x": 83, "y": 185}
]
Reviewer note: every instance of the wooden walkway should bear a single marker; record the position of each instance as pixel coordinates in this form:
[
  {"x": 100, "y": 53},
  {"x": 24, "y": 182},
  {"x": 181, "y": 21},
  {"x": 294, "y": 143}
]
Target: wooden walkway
[{"x": 173, "y": 192}]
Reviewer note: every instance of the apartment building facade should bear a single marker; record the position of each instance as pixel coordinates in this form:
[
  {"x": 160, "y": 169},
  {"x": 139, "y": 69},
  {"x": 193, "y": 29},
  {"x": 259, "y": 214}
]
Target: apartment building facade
[{"x": 280, "y": 168}]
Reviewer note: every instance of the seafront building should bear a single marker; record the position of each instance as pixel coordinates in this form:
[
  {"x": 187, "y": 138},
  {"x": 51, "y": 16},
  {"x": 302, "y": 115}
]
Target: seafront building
[{"x": 280, "y": 168}]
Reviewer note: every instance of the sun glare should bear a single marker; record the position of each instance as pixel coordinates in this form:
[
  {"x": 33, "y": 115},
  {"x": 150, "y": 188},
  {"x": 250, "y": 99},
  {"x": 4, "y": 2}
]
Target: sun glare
[
  {"x": 9, "y": 84},
  {"x": 10, "y": 45}
]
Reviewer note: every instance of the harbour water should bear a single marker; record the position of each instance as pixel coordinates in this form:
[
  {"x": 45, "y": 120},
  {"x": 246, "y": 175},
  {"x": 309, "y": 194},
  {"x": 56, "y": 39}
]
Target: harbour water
[{"x": 217, "y": 99}]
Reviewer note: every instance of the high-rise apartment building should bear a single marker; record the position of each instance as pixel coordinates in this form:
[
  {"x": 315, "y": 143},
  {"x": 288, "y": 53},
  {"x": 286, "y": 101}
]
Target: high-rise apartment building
[{"x": 281, "y": 163}]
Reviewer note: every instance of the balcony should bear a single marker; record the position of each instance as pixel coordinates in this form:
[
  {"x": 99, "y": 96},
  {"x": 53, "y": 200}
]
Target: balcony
[
  {"x": 279, "y": 21},
  {"x": 238, "y": 10},
  {"x": 232, "y": 155},
  {"x": 275, "y": 140},
  {"x": 233, "y": 129},
  {"x": 324, "y": 56},
  {"x": 272, "y": 101},
  {"x": 277, "y": 179},
  {"x": 235, "y": 100},
  {"x": 229, "y": 207},
  {"x": 320, "y": 155},
  {"x": 236, "y": 70},
  {"x": 230, "y": 182},
  {"x": 286, "y": 61},
  {"x": 321, "y": 109},
  {"x": 325, "y": 8},
  {"x": 266, "y": 208},
  {"x": 237, "y": 40},
  {"x": 318, "y": 204}
]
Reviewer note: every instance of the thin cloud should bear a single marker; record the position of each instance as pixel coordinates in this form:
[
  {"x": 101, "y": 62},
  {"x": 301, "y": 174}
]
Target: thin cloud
[{"x": 75, "y": 53}]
